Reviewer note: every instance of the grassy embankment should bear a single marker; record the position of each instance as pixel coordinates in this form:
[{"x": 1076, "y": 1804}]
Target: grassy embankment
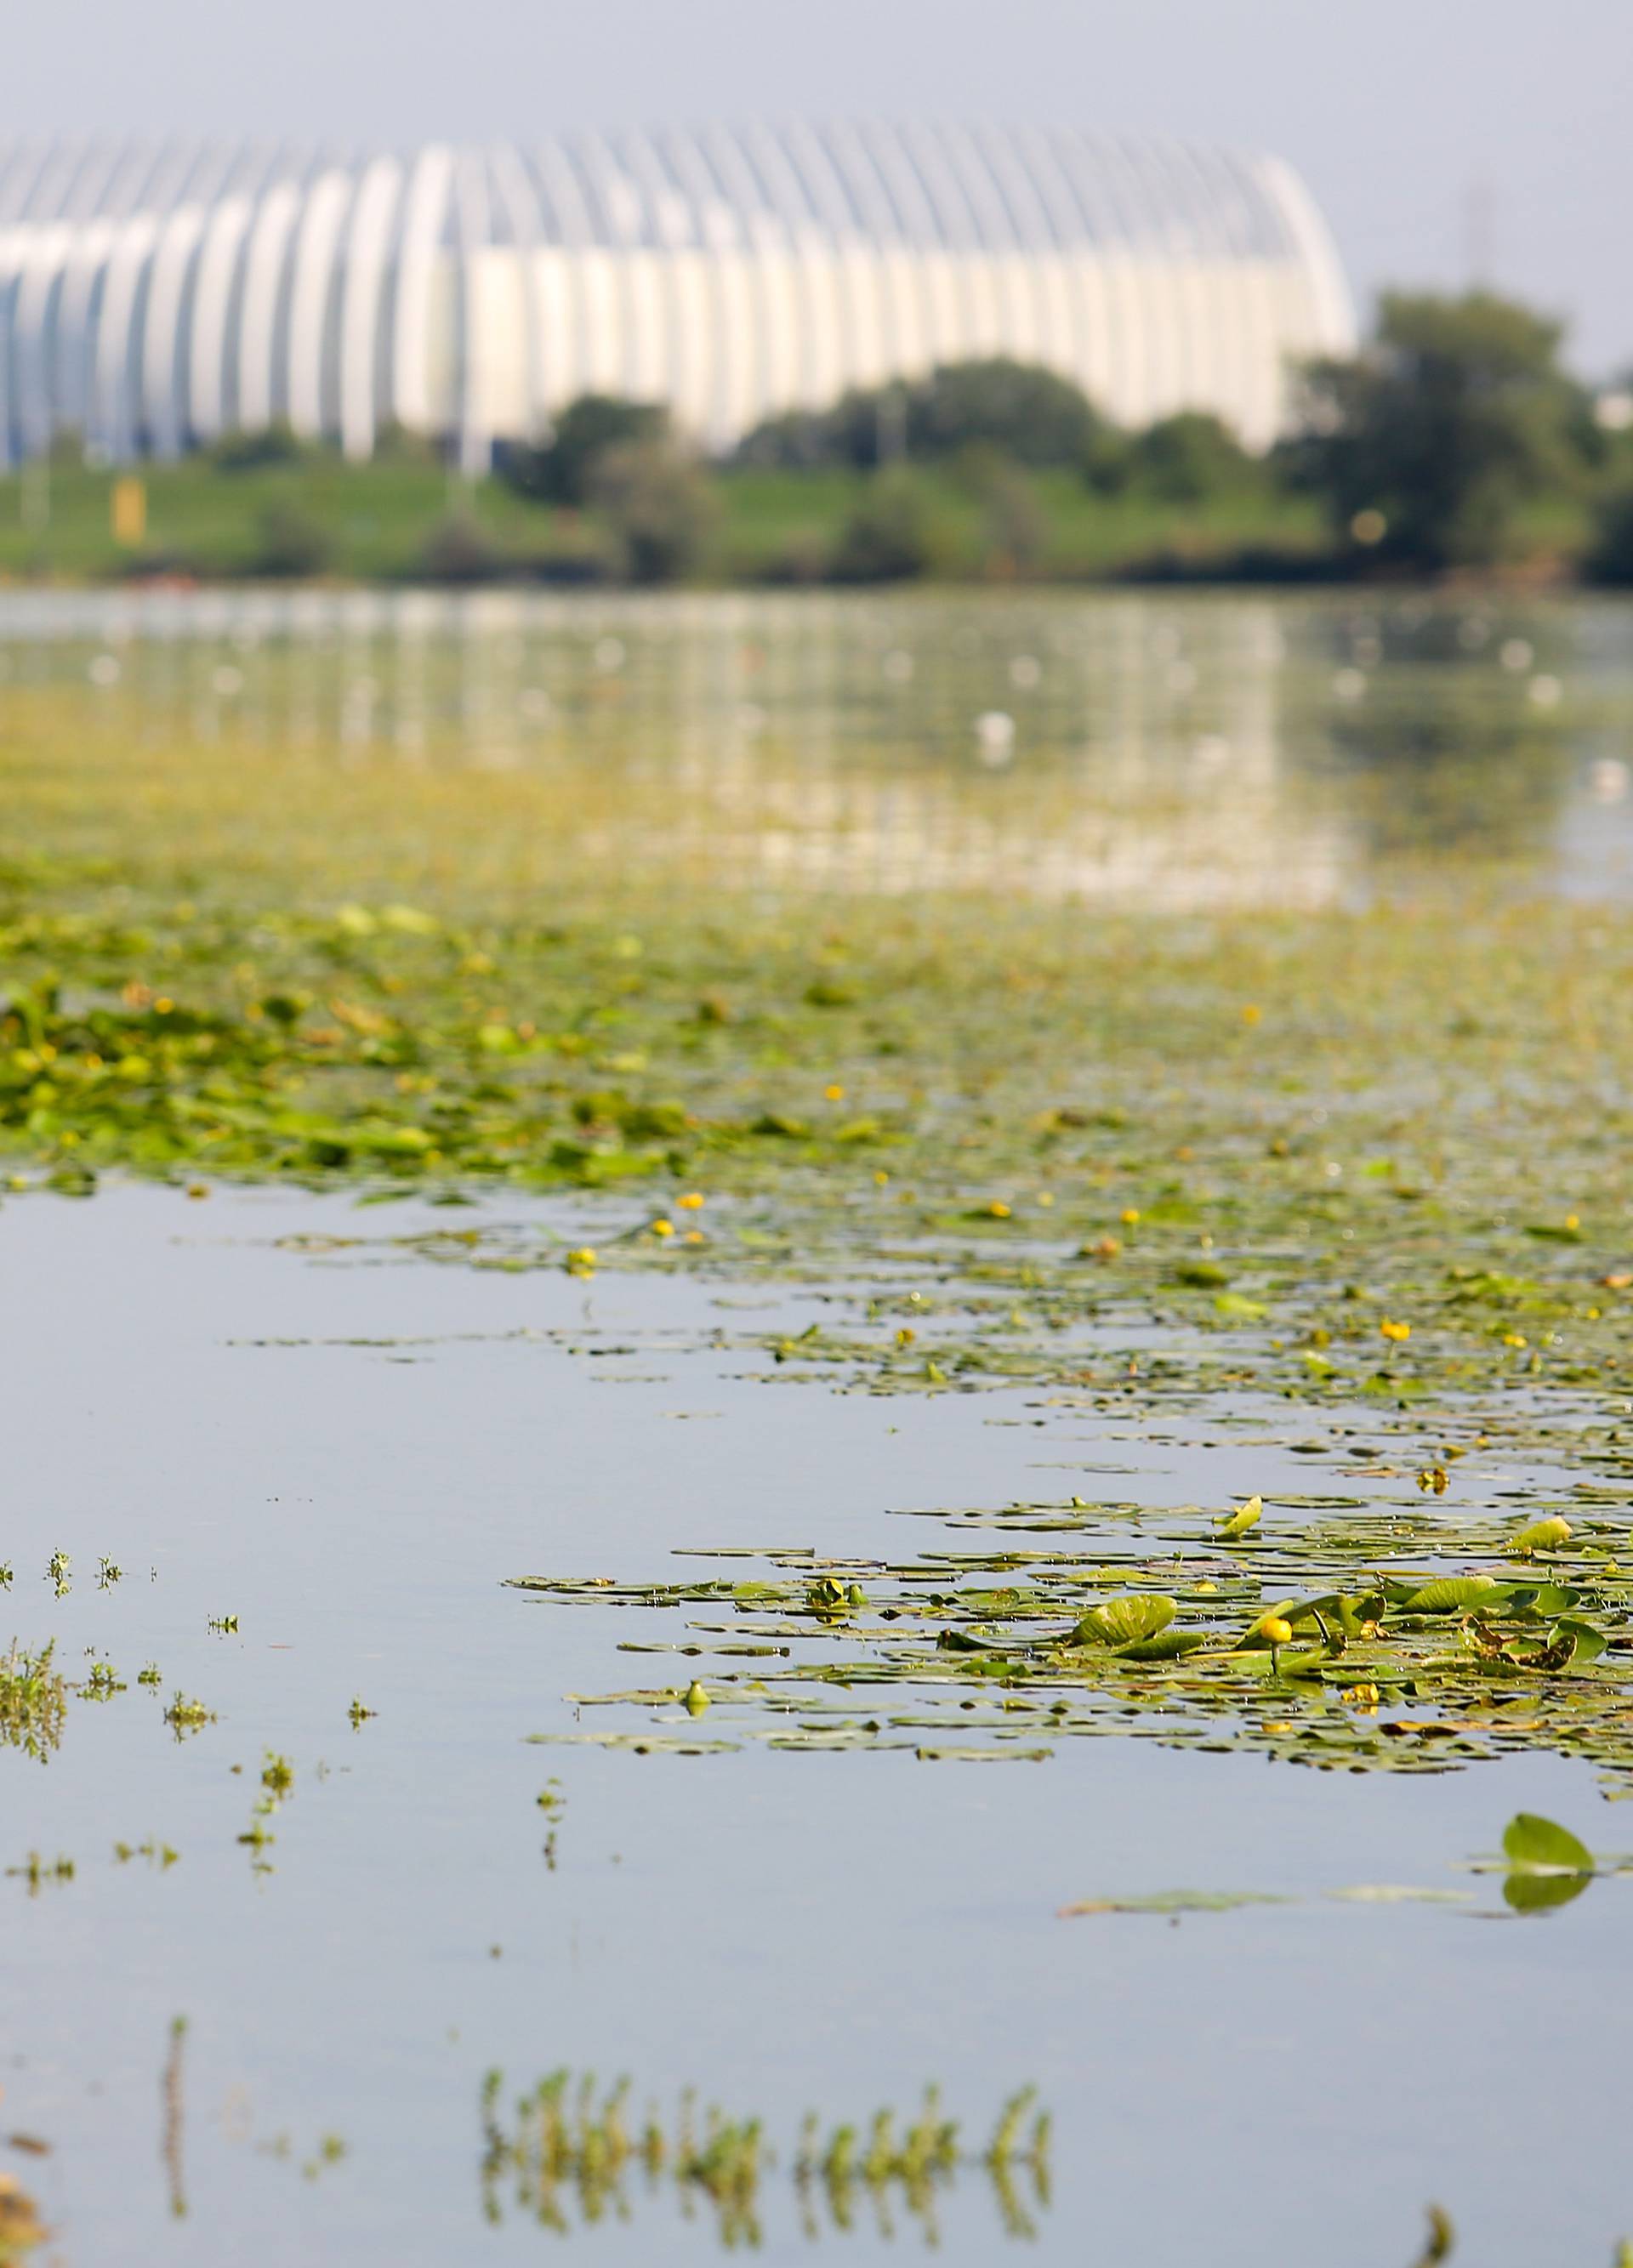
[{"x": 391, "y": 521}]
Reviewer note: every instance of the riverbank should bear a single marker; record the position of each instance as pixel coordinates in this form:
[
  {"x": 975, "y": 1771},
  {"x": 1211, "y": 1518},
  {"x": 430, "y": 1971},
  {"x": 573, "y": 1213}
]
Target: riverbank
[{"x": 410, "y": 521}]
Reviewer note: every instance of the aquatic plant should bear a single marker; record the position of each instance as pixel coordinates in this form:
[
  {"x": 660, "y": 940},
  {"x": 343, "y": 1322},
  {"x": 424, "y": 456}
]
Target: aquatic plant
[
  {"x": 1377, "y": 1640},
  {"x": 34, "y": 1700},
  {"x": 569, "y": 2149}
]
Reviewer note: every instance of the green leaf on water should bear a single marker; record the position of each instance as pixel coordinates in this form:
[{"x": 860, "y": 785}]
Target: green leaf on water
[
  {"x": 1537, "y": 1893},
  {"x": 1532, "y": 1844},
  {"x": 1246, "y": 1516},
  {"x": 1202, "y": 1276},
  {"x": 1167, "y": 1646},
  {"x": 1547, "y": 1535},
  {"x": 1451, "y": 1594},
  {"x": 1172, "y": 1902},
  {"x": 1123, "y": 1622}
]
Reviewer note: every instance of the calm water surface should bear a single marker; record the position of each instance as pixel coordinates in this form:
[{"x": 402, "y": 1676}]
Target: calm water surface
[
  {"x": 1135, "y": 751},
  {"x": 349, "y": 1450}
]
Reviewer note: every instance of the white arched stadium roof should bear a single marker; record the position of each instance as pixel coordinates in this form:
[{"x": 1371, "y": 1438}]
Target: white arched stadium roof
[{"x": 152, "y": 297}]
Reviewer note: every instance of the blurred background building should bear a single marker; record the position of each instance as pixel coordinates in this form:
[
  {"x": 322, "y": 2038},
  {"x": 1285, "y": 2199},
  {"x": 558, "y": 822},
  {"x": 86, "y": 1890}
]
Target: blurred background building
[{"x": 153, "y": 299}]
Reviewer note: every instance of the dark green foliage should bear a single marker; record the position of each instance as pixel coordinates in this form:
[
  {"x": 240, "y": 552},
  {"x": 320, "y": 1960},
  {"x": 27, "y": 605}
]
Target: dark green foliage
[
  {"x": 1015, "y": 528},
  {"x": 890, "y": 534},
  {"x": 1180, "y": 460},
  {"x": 243, "y": 452},
  {"x": 1424, "y": 447},
  {"x": 1030, "y": 413},
  {"x": 292, "y": 541},
  {"x": 562, "y": 469},
  {"x": 460, "y": 550},
  {"x": 659, "y": 506},
  {"x": 1610, "y": 559}
]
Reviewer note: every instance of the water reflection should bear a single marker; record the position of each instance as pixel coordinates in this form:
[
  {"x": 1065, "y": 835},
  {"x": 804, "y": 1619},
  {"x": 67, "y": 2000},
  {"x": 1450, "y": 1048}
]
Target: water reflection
[{"x": 1129, "y": 749}]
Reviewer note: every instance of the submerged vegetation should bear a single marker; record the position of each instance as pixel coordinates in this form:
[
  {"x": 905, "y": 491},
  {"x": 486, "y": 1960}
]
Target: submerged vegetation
[{"x": 570, "y": 2154}]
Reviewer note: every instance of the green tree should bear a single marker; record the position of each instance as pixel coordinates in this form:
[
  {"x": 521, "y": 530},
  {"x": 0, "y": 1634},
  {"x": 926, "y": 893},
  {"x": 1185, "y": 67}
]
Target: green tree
[
  {"x": 890, "y": 534},
  {"x": 1015, "y": 528},
  {"x": 1189, "y": 457},
  {"x": 1031, "y": 414},
  {"x": 1424, "y": 446},
  {"x": 660, "y": 506},
  {"x": 562, "y": 469}
]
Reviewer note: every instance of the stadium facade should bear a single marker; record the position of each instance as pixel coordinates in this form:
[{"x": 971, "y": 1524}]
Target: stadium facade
[{"x": 154, "y": 297}]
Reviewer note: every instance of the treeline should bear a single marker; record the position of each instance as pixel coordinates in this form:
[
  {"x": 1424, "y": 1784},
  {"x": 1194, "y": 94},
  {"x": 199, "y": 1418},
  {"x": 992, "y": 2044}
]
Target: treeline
[
  {"x": 941, "y": 474},
  {"x": 1430, "y": 451}
]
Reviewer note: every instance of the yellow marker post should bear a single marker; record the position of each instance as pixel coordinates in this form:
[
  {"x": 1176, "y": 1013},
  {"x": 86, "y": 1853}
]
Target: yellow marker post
[{"x": 127, "y": 511}]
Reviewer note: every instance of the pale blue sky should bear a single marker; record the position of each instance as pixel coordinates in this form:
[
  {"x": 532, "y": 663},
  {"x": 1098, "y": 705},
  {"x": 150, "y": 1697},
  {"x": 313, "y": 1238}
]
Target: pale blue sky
[{"x": 1427, "y": 128}]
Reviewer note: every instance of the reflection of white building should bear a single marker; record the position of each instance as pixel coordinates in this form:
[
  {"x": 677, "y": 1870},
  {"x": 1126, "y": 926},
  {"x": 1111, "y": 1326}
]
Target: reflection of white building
[
  {"x": 151, "y": 298},
  {"x": 776, "y": 741}
]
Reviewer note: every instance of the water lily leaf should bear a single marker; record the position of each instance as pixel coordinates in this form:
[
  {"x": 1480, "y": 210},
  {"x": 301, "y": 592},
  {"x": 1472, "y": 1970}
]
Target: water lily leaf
[
  {"x": 1123, "y": 1622},
  {"x": 1530, "y": 1893},
  {"x": 1452, "y": 1594},
  {"x": 983, "y": 1756},
  {"x": 1233, "y": 1307},
  {"x": 1246, "y": 1516},
  {"x": 1172, "y": 1902},
  {"x": 1591, "y": 1640},
  {"x": 1532, "y": 1844},
  {"x": 1308, "y": 1662},
  {"x": 1547, "y": 1535},
  {"x": 1167, "y": 1646},
  {"x": 1398, "y": 1894},
  {"x": 1552, "y": 1599}
]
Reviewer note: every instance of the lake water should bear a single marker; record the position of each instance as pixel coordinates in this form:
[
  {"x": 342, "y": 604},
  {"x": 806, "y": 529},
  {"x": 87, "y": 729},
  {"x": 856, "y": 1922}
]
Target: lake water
[
  {"x": 336, "y": 1452},
  {"x": 1133, "y": 751}
]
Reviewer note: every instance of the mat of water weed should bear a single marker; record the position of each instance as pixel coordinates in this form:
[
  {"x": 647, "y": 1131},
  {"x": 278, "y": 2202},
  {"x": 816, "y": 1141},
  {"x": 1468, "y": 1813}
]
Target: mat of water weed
[
  {"x": 1379, "y": 1642},
  {"x": 1393, "y": 1164}
]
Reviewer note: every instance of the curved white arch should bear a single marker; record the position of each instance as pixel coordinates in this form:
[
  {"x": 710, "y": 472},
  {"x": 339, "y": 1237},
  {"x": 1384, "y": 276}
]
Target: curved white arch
[
  {"x": 44, "y": 259},
  {"x": 218, "y": 264},
  {"x": 111, "y": 423},
  {"x": 317, "y": 247},
  {"x": 424, "y": 207},
  {"x": 249, "y": 406},
  {"x": 1332, "y": 310},
  {"x": 73, "y": 348},
  {"x": 160, "y": 385},
  {"x": 362, "y": 283}
]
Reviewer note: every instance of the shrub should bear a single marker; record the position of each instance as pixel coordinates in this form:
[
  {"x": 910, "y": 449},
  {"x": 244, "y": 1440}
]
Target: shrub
[
  {"x": 251, "y": 451},
  {"x": 660, "y": 509},
  {"x": 562, "y": 470},
  {"x": 459, "y": 549},
  {"x": 292, "y": 541},
  {"x": 890, "y": 534}
]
